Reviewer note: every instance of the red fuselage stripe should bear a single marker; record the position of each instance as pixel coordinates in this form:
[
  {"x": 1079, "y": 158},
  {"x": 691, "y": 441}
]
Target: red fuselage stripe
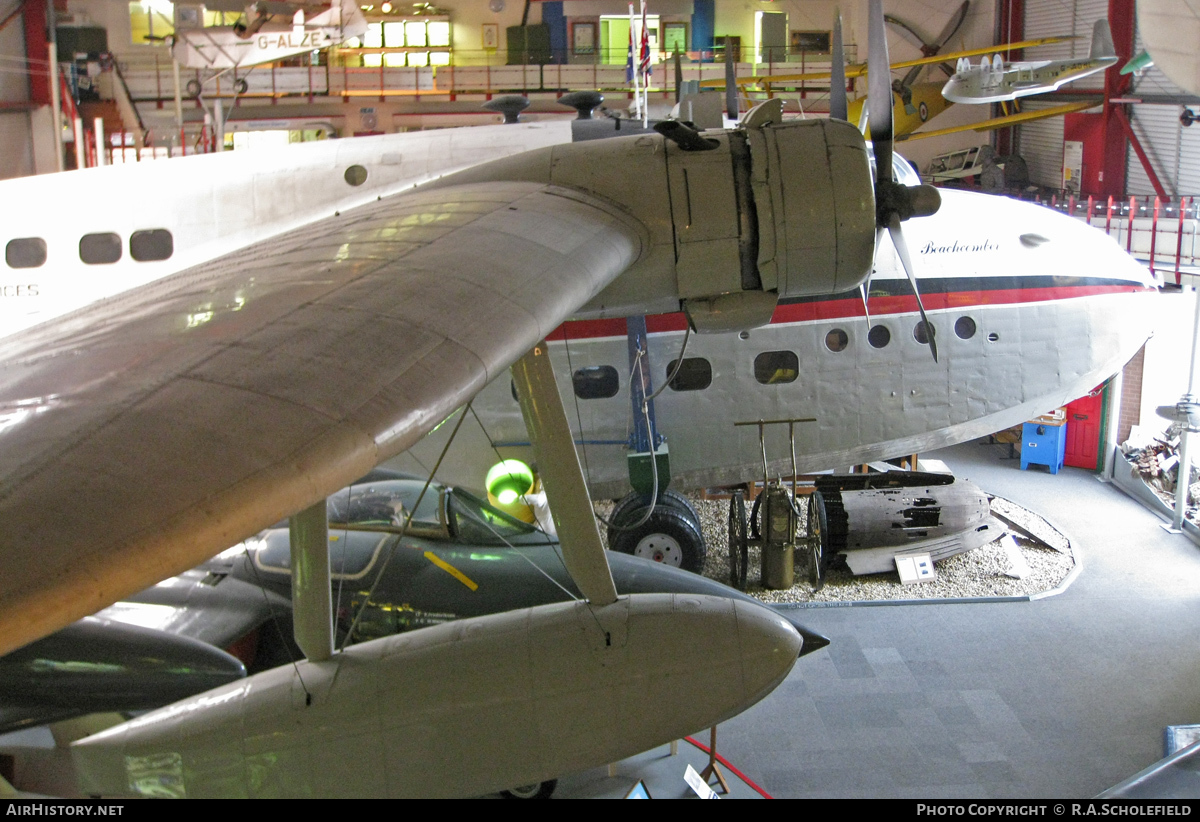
[{"x": 851, "y": 308}]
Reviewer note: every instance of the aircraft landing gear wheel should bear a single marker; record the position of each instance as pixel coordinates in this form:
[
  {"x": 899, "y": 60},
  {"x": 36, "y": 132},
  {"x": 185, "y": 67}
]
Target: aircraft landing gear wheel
[
  {"x": 739, "y": 541},
  {"x": 668, "y": 497},
  {"x": 538, "y": 790},
  {"x": 814, "y": 548},
  {"x": 670, "y": 535},
  {"x": 241, "y": 86},
  {"x": 193, "y": 88}
]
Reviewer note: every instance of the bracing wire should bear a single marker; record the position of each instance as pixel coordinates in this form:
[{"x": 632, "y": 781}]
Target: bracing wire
[
  {"x": 500, "y": 457},
  {"x": 497, "y": 452},
  {"x": 412, "y": 512},
  {"x": 521, "y": 554},
  {"x": 275, "y": 620}
]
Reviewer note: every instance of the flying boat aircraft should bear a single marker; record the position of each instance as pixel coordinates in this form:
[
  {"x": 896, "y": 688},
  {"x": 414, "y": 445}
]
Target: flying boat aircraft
[
  {"x": 994, "y": 81},
  {"x": 852, "y": 376},
  {"x": 237, "y": 336},
  {"x": 256, "y": 39}
]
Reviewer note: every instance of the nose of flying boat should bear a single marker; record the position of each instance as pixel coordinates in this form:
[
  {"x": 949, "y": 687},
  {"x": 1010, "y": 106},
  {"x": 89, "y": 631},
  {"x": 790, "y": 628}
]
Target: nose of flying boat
[
  {"x": 812, "y": 640},
  {"x": 634, "y": 575},
  {"x": 769, "y": 646}
]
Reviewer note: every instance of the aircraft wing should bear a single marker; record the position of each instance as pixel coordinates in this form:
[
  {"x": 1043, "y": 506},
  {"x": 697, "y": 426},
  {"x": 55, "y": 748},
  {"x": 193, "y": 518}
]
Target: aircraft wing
[
  {"x": 143, "y": 434},
  {"x": 1002, "y": 122}
]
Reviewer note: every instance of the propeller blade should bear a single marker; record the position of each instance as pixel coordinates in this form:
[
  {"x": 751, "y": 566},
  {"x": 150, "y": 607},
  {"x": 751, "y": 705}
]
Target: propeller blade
[
  {"x": 731, "y": 89},
  {"x": 951, "y": 28},
  {"x": 838, "y": 106},
  {"x": 865, "y": 288},
  {"x": 879, "y": 92},
  {"x": 678, "y": 76},
  {"x": 897, "y": 235}
]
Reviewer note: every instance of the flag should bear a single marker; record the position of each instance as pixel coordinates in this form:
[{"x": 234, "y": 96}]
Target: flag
[
  {"x": 629, "y": 59},
  {"x": 644, "y": 54}
]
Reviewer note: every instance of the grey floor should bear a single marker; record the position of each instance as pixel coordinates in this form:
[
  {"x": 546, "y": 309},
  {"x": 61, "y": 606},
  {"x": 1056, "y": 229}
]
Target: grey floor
[{"x": 1061, "y": 697}]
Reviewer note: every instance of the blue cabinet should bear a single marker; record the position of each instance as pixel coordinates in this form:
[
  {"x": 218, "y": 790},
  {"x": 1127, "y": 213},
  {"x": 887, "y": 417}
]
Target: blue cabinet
[{"x": 1043, "y": 444}]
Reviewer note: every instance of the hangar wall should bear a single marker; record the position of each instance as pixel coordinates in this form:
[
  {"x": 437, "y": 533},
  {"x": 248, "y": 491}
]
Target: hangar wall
[
  {"x": 1041, "y": 142},
  {"x": 1174, "y": 149}
]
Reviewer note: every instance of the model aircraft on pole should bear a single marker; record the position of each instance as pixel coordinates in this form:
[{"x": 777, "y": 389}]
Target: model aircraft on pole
[
  {"x": 994, "y": 81},
  {"x": 237, "y": 337},
  {"x": 257, "y": 39},
  {"x": 914, "y": 103}
]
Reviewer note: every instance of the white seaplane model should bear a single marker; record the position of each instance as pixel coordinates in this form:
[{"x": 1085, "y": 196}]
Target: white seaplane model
[
  {"x": 994, "y": 81},
  {"x": 236, "y": 336},
  {"x": 214, "y": 50}
]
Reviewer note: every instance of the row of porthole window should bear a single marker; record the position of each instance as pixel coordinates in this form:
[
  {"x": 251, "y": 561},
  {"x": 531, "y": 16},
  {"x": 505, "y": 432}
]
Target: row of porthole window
[
  {"x": 879, "y": 335},
  {"x": 600, "y": 382},
  {"x": 146, "y": 246}
]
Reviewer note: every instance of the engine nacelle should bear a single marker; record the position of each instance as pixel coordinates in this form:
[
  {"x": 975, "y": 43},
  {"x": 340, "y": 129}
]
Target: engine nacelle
[
  {"x": 735, "y": 219},
  {"x": 779, "y": 210}
]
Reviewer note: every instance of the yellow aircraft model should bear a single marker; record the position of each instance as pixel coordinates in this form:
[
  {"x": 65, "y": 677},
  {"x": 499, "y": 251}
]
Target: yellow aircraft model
[{"x": 926, "y": 103}]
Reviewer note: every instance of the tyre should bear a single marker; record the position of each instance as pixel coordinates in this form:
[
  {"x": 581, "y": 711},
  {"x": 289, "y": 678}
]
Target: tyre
[
  {"x": 738, "y": 541},
  {"x": 193, "y": 88},
  {"x": 241, "y": 86},
  {"x": 538, "y": 790},
  {"x": 668, "y": 536},
  {"x": 816, "y": 542},
  {"x": 667, "y": 497}
]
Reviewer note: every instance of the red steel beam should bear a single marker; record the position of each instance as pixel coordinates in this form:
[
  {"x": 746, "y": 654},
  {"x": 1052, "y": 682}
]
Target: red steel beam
[{"x": 1118, "y": 114}]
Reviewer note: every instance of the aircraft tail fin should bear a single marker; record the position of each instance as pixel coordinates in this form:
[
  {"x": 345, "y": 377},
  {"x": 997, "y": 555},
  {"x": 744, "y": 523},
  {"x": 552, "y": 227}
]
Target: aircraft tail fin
[{"x": 1102, "y": 42}]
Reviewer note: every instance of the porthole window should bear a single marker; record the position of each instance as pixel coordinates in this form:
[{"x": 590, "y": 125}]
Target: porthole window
[
  {"x": 26, "y": 252},
  {"x": 100, "y": 249},
  {"x": 879, "y": 336},
  {"x": 964, "y": 328},
  {"x": 919, "y": 333},
  {"x": 993, "y": 337},
  {"x": 151, "y": 244},
  {"x": 837, "y": 340},
  {"x": 597, "y": 382},
  {"x": 776, "y": 367},
  {"x": 356, "y": 175},
  {"x": 694, "y": 375}
]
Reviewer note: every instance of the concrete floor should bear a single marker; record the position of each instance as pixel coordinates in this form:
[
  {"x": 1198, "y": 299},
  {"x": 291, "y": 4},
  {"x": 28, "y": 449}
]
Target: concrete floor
[{"x": 1062, "y": 697}]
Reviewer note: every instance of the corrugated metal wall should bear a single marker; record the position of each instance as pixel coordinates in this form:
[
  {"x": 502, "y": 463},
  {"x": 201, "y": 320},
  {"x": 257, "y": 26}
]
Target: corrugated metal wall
[
  {"x": 1174, "y": 150},
  {"x": 1041, "y": 142}
]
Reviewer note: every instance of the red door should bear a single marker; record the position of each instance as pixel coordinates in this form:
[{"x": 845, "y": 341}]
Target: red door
[{"x": 1085, "y": 429}]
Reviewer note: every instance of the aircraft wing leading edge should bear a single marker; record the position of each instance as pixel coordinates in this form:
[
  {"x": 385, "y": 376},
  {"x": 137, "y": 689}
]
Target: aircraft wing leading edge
[{"x": 143, "y": 434}]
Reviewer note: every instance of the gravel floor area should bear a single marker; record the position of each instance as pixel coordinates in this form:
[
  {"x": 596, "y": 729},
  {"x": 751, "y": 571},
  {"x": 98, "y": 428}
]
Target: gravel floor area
[{"x": 979, "y": 573}]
